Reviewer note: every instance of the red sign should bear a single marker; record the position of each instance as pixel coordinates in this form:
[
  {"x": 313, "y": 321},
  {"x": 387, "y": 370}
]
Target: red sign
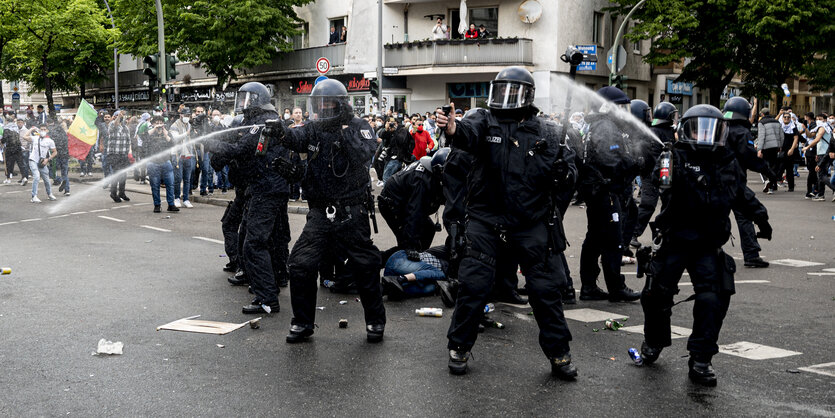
[
  {"x": 303, "y": 87},
  {"x": 353, "y": 83},
  {"x": 361, "y": 84},
  {"x": 323, "y": 65}
]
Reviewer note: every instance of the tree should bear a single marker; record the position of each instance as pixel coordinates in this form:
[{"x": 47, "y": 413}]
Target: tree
[
  {"x": 225, "y": 36},
  {"x": 9, "y": 30},
  {"x": 59, "y": 40},
  {"x": 762, "y": 41}
]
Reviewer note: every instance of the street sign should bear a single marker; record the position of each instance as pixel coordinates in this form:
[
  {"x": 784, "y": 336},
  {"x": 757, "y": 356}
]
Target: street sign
[
  {"x": 318, "y": 79},
  {"x": 587, "y": 50},
  {"x": 390, "y": 70},
  {"x": 621, "y": 59},
  {"x": 323, "y": 65},
  {"x": 15, "y": 86},
  {"x": 16, "y": 101}
]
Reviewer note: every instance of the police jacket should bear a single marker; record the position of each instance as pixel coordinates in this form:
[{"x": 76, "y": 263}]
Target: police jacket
[
  {"x": 456, "y": 169},
  {"x": 741, "y": 143},
  {"x": 513, "y": 168},
  {"x": 413, "y": 196},
  {"x": 706, "y": 185},
  {"x": 245, "y": 167},
  {"x": 338, "y": 159},
  {"x": 610, "y": 161}
]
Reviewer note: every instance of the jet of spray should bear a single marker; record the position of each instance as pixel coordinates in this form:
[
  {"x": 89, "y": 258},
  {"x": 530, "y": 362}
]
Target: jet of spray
[{"x": 77, "y": 198}]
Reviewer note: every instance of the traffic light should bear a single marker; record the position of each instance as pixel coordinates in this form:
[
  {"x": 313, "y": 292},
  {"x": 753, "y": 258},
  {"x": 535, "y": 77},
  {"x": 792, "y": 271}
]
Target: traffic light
[
  {"x": 374, "y": 87},
  {"x": 171, "y": 67},
  {"x": 618, "y": 80},
  {"x": 151, "y": 66}
]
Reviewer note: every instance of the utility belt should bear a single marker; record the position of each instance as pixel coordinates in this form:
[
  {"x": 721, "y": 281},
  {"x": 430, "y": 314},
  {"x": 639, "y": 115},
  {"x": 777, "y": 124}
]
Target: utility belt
[{"x": 324, "y": 204}]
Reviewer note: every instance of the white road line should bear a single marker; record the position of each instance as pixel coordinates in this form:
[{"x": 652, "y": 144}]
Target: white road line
[
  {"x": 30, "y": 220},
  {"x": 736, "y": 282},
  {"x": 141, "y": 204},
  {"x": 155, "y": 228},
  {"x": 820, "y": 274},
  {"x": 829, "y": 270},
  {"x": 795, "y": 263},
  {"x": 8, "y": 223},
  {"x": 826, "y": 369},
  {"x": 16, "y": 191},
  {"x": 120, "y": 207},
  {"x": 635, "y": 272},
  {"x": 675, "y": 332},
  {"x": 79, "y": 213},
  {"x": 753, "y": 351},
  {"x": 591, "y": 315},
  {"x": 99, "y": 210},
  {"x": 209, "y": 240},
  {"x": 111, "y": 219},
  {"x": 59, "y": 216}
]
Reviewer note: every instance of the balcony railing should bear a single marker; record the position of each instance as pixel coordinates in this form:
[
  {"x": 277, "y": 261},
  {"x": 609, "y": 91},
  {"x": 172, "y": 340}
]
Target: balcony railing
[
  {"x": 449, "y": 53},
  {"x": 303, "y": 60}
]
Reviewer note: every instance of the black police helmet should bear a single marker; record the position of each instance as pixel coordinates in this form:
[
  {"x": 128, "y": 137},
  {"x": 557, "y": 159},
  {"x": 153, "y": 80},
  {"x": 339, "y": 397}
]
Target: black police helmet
[
  {"x": 614, "y": 95},
  {"x": 329, "y": 102},
  {"x": 640, "y": 109},
  {"x": 253, "y": 95},
  {"x": 664, "y": 113},
  {"x": 737, "y": 108},
  {"x": 703, "y": 127},
  {"x": 439, "y": 158},
  {"x": 513, "y": 88}
]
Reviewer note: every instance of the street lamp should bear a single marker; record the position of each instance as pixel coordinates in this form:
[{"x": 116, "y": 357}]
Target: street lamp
[
  {"x": 618, "y": 37},
  {"x": 115, "y": 59}
]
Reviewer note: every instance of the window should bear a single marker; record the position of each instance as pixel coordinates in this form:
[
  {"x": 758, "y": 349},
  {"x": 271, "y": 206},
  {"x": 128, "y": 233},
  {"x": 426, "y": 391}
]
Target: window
[
  {"x": 302, "y": 40},
  {"x": 487, "y": 16},
  {"x": 338, "y": 23},
  {"x": 636, "y": 45},
  {"x": 597, "y": 29}
]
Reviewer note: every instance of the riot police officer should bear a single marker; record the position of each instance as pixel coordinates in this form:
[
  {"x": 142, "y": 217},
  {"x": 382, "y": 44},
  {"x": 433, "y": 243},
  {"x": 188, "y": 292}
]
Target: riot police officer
[
  {"x": 267, "y": 227},
  {"x": 516, "y": 162},
  {"x": 693, "y": 225},
  {"x": 409, "y": 198},
  {"x": 336, "y": 182},
  {"x": 740, "y": 142},
  {"x": 664, "y": 117},
  {"x": 607, "y": 172}
]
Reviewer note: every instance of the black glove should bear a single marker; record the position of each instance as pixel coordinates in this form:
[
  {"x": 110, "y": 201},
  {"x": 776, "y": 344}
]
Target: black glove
[
  {"x": 413, "y": 255},
  {"x": 287, "y": 169},
  {"x": 274, "y": 129},
  {"x": 765, "y": 230}
]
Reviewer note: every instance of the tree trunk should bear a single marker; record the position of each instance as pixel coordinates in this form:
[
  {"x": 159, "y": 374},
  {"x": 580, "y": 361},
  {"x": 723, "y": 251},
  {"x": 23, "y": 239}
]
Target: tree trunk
[
  {"x": 82, "y": 90},
  {"x": 47, "y": 89},
  {"x": 1, "y": 84}
]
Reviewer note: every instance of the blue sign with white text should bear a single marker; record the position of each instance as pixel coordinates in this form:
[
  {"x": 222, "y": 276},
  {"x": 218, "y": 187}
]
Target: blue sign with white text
[
  {"x": 679, "y": 87},
  {"x": 587, "y": 65}
]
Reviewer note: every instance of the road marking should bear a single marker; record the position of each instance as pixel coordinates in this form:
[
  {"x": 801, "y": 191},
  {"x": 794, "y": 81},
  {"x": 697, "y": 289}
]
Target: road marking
[
  {"x": 675, "y": 332},
  {"x": 141, "y": 204},
  {"x": 829, "y": 270},
  {"x": 736, "y": 282},
  {"x": 795, "y": 263},
  {"x": 524, "y": 317},
  {"x": 826, "y": 369},
  {"x": 753, "y": 351},
  {"x": 526, "y": 306},
  {"x": 635, "y": 272},
  {"x": 16, "y": 191},
  {"x": 111, "y": 219},
  {"x": 155, "y": 228},
  {"x": 8, "y": 223},
  {"x": 209, "y": 240},
  {"x": 30, "y": 220},
  {"x": 820, "y": 274},
  {"x": 591, "y": 315},
  {"x": 79, "y": 213},
  {"x": 59, "y": 216},
  {"x": 99, "y": 210},
  {"x": 120, "y": 207}
]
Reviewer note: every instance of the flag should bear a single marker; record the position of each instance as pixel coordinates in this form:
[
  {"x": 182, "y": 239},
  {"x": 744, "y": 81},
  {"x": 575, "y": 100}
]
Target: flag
[{"x": 83, "y": 132}]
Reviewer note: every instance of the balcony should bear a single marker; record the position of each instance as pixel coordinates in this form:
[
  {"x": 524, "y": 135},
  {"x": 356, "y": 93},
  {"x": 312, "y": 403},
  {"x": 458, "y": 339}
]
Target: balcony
[
  {"x": 302, "y": 62},
  {"x": 459, "y": 53}
]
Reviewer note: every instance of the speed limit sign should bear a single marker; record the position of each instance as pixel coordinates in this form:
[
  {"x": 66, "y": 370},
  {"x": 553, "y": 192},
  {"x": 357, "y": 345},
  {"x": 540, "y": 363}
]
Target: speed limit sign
[{"x": 323, "y": 65}]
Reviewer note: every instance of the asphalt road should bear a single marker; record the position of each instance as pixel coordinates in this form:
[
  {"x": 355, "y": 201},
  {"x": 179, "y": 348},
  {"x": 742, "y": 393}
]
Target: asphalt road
[{"x": 117, "y": 271}]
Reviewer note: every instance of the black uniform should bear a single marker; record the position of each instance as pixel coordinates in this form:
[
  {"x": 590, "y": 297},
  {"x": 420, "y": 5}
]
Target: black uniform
[
  {"x": 267, "y": 227},
  {"x": 694, "y": 224},
  {"x": 509, "y": 205},
  {"x": 607, "y": 173},
  {"x": 649, "y": 192},
  {"x": 406, "y": 203},
  {"x": 336, "y": 182},
  {"x": 741, "y": 143}
]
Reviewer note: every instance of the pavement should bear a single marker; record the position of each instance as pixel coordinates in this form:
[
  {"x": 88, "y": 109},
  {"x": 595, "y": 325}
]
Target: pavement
[{"x": 97, "y": 269}]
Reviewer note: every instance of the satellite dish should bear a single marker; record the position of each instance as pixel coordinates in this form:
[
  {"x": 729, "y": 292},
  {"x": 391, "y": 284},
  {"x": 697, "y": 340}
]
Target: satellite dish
[{"x": 530, "y": 11}]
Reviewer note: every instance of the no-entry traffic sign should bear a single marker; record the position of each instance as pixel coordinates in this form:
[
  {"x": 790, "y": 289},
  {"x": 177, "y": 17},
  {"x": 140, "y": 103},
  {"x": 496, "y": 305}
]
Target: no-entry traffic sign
[{"x": 323, "y": 65}]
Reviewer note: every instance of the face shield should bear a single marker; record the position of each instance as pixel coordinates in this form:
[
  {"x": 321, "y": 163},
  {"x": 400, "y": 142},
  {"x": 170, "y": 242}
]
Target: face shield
[
  {"x": 703, "y": 132},
  {"x": 244, "y": 100},
  {"x": 510, "y": 95},
  {"x": 325, "y": 107}
]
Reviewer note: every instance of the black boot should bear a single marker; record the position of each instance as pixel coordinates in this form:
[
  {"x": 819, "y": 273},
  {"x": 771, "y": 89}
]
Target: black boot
[
  {"x": 393, "y": 288},
  {"x": 124, "y": 197},
  {"x": 701, "y": 372},
  {"x": 157, "y": 209},
  {"x": 649, "y": 354},
  {"x": 594, "y": 293},
  {"x": 625, "y": 294},
  {"x": 562, "y": 368},
  {"x": 115, "y": 198},
  {"x": 458, "y": 361},
  {"x": 512, "y": 297},
  {"x": 569, "y": 296},
  {"x": 239, "y": 279},
  {"x": 756, "y": 263},
  {"x": 298, "y": 334},
  {"x": 374, "y": 332},
  {"x": 231, "y": 266},
  {"x": 172, "y": 208},
  {"x": 448, "y": 291},
  {"x": 256, "y": 307}
]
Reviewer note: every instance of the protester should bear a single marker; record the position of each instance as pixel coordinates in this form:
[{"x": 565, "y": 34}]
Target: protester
[{"x": 42, "y": 152}]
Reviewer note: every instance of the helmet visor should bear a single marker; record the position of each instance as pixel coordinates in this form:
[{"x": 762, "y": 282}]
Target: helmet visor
[
  {"x": 510, "y": 95},
  {"x": 245, "y": 100},
  {"x": 324, "y": 107},
  {"x": 704, "y": 131}
]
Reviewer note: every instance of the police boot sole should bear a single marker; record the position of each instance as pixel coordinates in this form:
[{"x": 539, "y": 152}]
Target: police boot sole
[
  {"x": 374, "y": 337},
  {"x": 699, "y": 379},
  {"x": 457, "y": 368},
  {"x": 566, "y": 372},
  {"x": 299, "y": 337}
]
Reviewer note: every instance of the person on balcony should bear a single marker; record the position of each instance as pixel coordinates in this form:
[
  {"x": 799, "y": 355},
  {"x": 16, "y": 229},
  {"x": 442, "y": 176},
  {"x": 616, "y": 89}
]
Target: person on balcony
[
  {"x": 334, "y": 37},
  {"x": 440, "y": 30},
  {"x": 483, "y": 33},
  {"x": 472, "y": 33}
]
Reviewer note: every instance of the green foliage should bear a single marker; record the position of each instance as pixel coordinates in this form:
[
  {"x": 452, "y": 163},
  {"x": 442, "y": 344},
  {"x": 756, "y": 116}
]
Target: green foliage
[
  {"x": 765, "y": 42},
  {"x": 225, "y": 36}
]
